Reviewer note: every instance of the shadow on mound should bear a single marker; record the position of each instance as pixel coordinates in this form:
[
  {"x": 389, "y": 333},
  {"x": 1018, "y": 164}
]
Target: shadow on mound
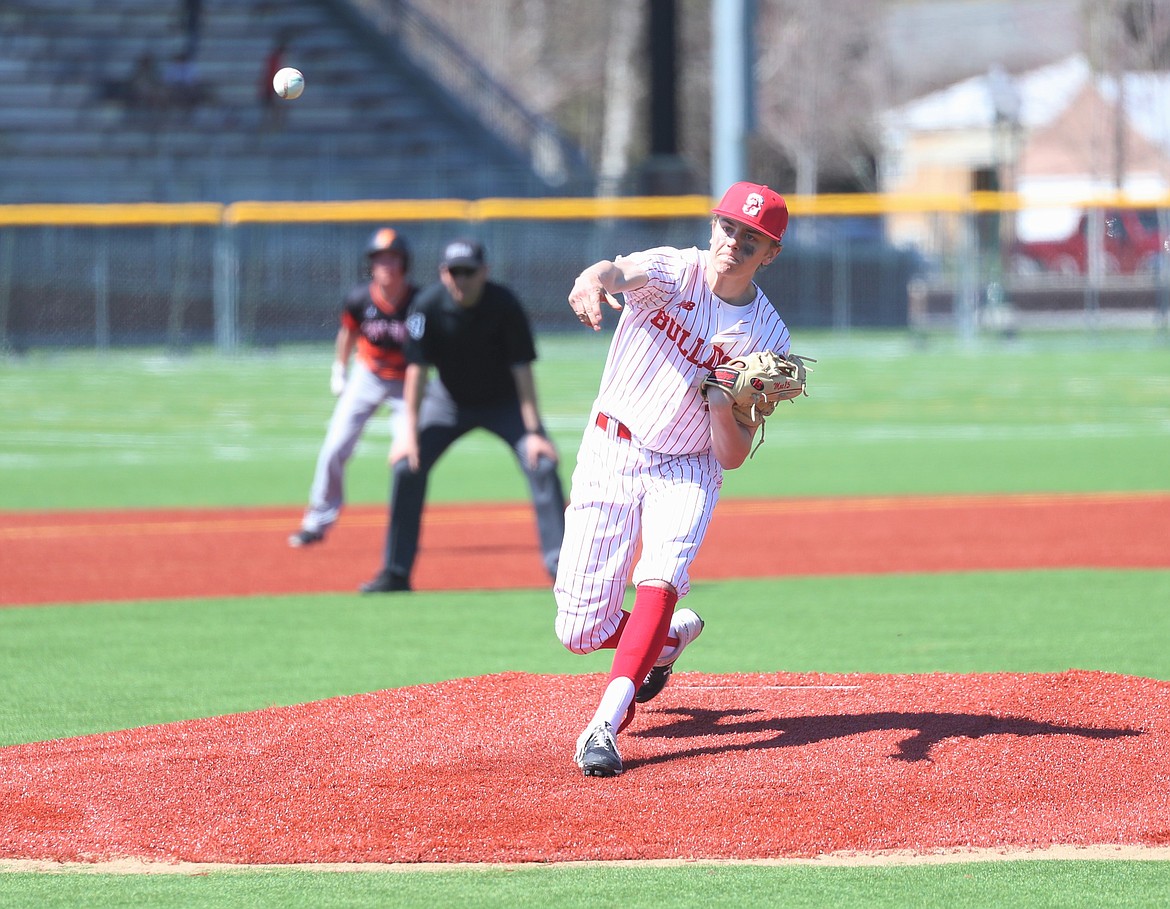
[{"x": 926, "y": 730}]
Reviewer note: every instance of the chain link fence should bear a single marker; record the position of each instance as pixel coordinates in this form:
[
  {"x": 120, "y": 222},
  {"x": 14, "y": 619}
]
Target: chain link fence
[{"x": 263, "y": 274}]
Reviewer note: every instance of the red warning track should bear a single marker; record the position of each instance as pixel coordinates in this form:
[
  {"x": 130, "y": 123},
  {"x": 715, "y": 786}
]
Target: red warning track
[{"x": 125, "y": 555}]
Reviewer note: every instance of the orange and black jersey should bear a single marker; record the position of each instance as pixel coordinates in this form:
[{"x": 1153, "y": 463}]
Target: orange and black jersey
[{"x": 381, "y": 328}]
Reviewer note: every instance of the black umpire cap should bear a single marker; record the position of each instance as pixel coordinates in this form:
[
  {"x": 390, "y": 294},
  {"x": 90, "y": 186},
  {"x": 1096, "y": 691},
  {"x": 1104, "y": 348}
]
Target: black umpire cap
[
  {"x": 464, "y": 253},
  {"x": 387, "y": 239}
]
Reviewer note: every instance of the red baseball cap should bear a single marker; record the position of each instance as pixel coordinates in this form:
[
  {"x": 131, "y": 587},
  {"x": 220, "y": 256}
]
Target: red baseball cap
[{"x": 757, "y": 206}]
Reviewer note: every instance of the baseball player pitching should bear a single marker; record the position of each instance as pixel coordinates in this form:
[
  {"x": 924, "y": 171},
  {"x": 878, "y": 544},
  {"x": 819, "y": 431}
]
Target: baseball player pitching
[
  {"x": 373, "y": 320},
  {"x": 657, "y": 442}
]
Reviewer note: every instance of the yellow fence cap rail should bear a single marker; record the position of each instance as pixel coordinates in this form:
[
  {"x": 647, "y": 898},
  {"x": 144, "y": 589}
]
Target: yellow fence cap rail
[
  {"x": 352, "y": 210},
  {"x": 545, "y": 209},
  {"x": 133, "y": 214},
  {"x": 590, "y": 207}
]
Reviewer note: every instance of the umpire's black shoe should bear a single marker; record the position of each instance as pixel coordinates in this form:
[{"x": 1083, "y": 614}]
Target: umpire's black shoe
[{"x": 386, "y": 582}]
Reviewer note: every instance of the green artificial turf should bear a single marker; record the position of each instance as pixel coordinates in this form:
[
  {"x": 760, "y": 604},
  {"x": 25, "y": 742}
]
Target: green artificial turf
[
  {"x": 73, "y": 670},
  {"x": 886, "y": 414},
  {"x": 967, "y": 885}
]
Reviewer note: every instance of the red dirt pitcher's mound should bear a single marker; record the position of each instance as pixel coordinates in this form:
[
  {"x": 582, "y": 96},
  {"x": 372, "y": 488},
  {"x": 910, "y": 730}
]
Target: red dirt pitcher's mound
[{"x": 737, "y": 766}]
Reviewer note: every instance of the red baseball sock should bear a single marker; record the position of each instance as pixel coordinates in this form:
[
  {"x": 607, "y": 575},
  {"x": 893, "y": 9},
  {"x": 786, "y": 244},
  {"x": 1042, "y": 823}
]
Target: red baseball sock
[
  {"x": 644, "y": 635},
  {"x": 612, "y": 641}
]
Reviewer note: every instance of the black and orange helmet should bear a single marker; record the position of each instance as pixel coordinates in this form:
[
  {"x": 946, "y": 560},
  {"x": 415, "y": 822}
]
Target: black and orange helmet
[{"x": 387, "y": 239}]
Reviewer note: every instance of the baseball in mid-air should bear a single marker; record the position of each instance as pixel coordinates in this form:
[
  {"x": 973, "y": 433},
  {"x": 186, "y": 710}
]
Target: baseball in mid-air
[{"x": 289, "y": 83}]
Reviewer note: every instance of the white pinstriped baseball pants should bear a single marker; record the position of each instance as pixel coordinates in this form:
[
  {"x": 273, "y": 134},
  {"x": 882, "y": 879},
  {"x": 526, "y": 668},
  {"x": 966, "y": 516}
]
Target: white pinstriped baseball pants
[{"x": 621, "y": 492}]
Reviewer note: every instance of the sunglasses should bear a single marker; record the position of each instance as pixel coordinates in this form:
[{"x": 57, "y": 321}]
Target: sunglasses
[{"x": 461, "y": 271}]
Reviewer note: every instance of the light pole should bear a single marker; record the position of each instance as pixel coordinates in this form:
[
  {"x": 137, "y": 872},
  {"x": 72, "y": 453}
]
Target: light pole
[
  {"x": 733, "y": 58},
  {"x": 1006, "y": 103}
]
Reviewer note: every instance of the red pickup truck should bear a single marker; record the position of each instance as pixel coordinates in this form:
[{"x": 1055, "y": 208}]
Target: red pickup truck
[{"x": 1133, "y": 244}]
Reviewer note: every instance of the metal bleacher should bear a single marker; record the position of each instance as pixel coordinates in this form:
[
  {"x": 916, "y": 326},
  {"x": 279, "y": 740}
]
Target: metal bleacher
[{"x": 370, "y": 124}]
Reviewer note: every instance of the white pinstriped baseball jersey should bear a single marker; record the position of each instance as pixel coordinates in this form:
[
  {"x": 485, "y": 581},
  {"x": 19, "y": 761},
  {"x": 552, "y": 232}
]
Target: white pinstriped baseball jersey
[
  {"x": 663, "y": 483},
  {"x": 672, "y": 332}
]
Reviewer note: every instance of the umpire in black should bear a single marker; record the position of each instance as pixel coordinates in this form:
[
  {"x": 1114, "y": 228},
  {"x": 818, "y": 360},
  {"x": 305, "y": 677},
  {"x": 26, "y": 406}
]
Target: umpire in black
[{"x": 476, "y": 335}]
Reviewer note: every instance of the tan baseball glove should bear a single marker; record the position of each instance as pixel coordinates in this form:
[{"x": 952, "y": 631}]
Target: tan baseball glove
[{"x": 758, "y": 382}]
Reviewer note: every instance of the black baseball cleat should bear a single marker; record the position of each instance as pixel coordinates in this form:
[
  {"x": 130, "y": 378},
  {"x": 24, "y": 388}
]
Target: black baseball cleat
[
  {"x": 597, "y": 753},
  {"x": 687, "y": 626},
  {"x": 385, "y": 582},
  {"x": 654, "y": 682},
  {"x": 305, "y": 538}
]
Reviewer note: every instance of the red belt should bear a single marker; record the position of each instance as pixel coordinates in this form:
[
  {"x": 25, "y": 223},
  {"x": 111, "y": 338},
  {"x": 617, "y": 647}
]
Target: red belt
[{"x": 620, "y": 429}]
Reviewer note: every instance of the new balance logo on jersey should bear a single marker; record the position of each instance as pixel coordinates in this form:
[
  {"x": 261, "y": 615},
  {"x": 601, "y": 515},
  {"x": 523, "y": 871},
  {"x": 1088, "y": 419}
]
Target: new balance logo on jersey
[{"x": 692, "y": 349}]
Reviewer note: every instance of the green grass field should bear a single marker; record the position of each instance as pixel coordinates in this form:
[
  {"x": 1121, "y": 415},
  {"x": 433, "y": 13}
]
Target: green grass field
[{"x": 888, "y": 414}]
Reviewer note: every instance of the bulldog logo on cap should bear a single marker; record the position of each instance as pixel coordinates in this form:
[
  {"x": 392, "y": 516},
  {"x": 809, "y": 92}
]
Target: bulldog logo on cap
[{"x": 757, "y": 206}]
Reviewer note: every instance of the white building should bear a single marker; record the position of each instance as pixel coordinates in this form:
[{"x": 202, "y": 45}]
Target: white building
[{"x": 1057, "y": 135}]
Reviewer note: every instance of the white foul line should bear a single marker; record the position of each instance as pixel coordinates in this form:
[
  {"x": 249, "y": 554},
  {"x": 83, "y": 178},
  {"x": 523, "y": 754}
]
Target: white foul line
[{"x": 773, "y": 687}]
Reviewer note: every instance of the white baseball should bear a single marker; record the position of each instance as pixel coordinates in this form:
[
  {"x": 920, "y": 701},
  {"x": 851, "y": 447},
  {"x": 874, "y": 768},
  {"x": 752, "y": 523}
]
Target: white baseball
[{"x": 289, "y": 83}]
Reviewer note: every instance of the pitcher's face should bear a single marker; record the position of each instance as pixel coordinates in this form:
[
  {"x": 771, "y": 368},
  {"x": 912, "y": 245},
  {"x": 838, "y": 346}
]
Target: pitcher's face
[{"x": 736, "y": 247}]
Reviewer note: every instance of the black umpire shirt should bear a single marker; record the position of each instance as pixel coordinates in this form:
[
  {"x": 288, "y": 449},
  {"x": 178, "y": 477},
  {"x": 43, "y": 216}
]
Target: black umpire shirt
[{"x": 473, "y": 349}]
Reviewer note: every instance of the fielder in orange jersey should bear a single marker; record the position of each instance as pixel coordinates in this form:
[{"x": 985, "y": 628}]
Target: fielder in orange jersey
[
  {"x": 373, "y": 321},
  {"x": 651, "y": 462}
]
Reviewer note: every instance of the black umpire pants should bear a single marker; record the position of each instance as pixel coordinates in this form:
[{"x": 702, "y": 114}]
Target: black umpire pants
[{"x": 441, "y": 422}]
